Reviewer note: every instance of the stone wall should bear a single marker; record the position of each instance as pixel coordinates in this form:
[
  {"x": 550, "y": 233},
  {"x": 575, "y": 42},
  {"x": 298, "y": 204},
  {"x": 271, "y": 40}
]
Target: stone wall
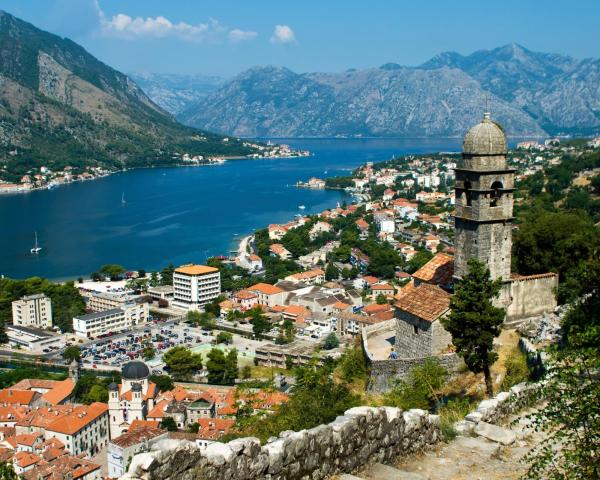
[
  {"x": 362, "y": 435},
  {"x": 529, "y": 296}
]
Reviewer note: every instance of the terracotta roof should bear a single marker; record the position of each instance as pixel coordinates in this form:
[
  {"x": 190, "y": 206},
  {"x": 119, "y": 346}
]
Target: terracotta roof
[
  {"x": 192, "y": 269},
  {"x": 214, "y": 428},
  {"x": 135, "y": 424},
  {"x": 438, "y": 270},
  {"x": 245, "y": 295},
  {"x": 59, "y": 392},
  {"x": 374, "y": 308},
  {"x": 62, "y": 467},
  {"x": 25, "y": 459},
  {"x": 362, "y": 224},
  {"x": 370, "y": 279},
  {"x": 17, "y": 397},
  {"x": 13, "y": 413},
  {"x": 265, "y": 288},
  {"x": 27, "y": 439},
  {"x": 383, "y": 316},
  {"x": 340, "y": 305},
  {"x": 138, "y": 435},
  {"x": 80, "y": 416},
  {"x": 159, "y": 410},
  {"x": 309, "y": 274},
  {"x": 6, "y": 454},
  {"x": 382, "y": 286},
  {"x": 31, "y": 383},
  {"x": 516, "y": 276},
  {"x": 426, "y": 301}
]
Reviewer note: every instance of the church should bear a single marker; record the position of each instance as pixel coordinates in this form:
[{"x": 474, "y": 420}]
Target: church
[
  {"x": 132, "y": 399},
  {"x": 484, "y": 192}
]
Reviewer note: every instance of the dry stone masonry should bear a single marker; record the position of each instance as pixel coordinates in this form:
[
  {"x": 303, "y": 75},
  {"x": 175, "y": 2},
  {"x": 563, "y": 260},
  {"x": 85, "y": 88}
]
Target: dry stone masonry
[{"x": 362, "y": 435}]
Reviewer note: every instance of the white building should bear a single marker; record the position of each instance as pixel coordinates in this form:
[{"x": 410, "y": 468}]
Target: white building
[
  {"x": 115, "y": 320},
  {"x": 31, "y": 338},
  {"x": 132, "y": 399},
  {"x": 195, "y": 285},
  {"x": 123, "y": 448},
  {"x": 385, "y": 223},
  {"x": 101, "y": 301},
  {"x": 32, "y": 311}
]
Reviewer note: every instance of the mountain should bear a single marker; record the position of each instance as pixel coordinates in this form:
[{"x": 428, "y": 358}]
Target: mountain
[
  {"x": 530, "y": 94},
  {"x": 175, "y": 92},
  {"x": 61, "y": 106}
]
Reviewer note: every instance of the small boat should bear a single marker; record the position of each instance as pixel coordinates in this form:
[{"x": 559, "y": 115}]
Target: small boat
[
  {"x": 36, "y": 248},
  {"x": 301, "y": 207},
  {"x": 123, "y": 202}
]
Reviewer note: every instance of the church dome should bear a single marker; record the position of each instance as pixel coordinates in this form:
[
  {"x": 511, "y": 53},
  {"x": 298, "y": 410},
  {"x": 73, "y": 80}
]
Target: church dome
[
  {"x": 135, "y": 371},
  {"x": 113, "y": 387},
  {"x": 485, "y": 138},
  {"x": 136, "y": 387}
]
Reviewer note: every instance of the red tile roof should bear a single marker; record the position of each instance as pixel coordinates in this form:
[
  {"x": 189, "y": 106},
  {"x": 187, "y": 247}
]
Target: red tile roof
[
  {"x": 59, "y": 392},
  {"x": 10, "y": 396},
  {"x": 426, "y": 301},
  {"x": 438, "y": 270},
  {"x": 265, "y": 288}
]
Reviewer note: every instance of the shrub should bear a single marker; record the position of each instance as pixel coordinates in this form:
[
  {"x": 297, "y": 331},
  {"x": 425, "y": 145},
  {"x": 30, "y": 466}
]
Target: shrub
[
  {"x": 419, "y": 389},
  {"x": 450, "y": 413},
  {"x": 517, "y": 370}
]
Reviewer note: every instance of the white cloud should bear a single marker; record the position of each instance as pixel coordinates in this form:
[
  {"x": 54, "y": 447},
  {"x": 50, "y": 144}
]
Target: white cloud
[
  {"x": 237, "y": 35},
  {"x": 122, "y": 25},
  {"x": 283, "y": 34}
]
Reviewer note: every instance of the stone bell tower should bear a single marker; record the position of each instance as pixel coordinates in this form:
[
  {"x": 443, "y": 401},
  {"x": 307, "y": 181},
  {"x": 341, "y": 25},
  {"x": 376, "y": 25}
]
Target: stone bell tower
[{"x": 484, "y": 201}]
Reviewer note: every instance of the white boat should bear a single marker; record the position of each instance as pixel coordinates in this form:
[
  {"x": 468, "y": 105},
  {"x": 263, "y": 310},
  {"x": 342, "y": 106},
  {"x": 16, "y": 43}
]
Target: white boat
[
  {"x": 123, "y": 202},
  {"x": 301, "y": 207},
  {"x": 36, "y": 248}
]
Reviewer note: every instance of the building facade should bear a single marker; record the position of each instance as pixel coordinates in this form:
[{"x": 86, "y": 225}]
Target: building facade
[
  {"x": 92, "y": 325},
  {"x": 195, "y": 285},
  {"x": 32, "y": 311}
]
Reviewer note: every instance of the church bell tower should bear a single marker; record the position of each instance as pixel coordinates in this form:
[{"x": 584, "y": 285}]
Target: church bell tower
[{"x": 484, "y": 201}]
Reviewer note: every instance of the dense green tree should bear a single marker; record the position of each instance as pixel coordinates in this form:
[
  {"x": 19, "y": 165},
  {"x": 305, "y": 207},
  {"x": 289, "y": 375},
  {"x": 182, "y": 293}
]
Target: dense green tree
[
  {"x": 331, "y": 341},
  {"x": 112, "y": 271},
  {"x": 260, "y": 324},
  {"x": 420, "y": 388},
  {"x": 166, "y": 275},
  {"x": 331, "y": 272},
  {"x": 182, "y": 362},
  {"x": 149, "y": 352},
  {"x": 72, "y": 353},
  {"x": 352, "y": 365},
  {"x": 7, "y": 472},
  {"x": 168, "y": 424},
  {"x": 163, "y": 382},
  {"x": 381, "y": 299},
  {"x": 193, "y": 428},
  {"x": 420, "y": 258},
  {"x": 222, "y": 369},
  {"x": 10, "y": 377},
  {"x": 91, "y": 388},
  {"x": 224, "y": 337},
  {"x": 474, "y": 321}
]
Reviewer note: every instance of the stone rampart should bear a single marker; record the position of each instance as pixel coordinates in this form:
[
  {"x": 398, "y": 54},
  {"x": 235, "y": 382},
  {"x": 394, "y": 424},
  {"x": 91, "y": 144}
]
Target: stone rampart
[{"x": 362, "y": 435}]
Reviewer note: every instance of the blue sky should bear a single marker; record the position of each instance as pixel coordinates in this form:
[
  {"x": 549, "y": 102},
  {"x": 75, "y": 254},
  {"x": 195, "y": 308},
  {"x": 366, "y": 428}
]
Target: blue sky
[{"x": 224, "y": 37}]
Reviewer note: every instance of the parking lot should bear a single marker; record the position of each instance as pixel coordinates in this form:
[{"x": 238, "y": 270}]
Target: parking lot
[{"x": 111, "y": 352}]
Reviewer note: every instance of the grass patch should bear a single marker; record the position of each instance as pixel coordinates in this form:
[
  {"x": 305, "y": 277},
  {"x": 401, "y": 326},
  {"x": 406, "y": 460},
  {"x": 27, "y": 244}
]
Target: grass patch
[
  {"x": 516, "y": 367},
  {"x": 453, "y": 411}
]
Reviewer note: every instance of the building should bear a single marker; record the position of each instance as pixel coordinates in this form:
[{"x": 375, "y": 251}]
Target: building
[
  {"x": 483, "y": 222},
  {"x": 195, "y": 285},
  {"x": 32, "y": 311},
  {"x": 102, "y": 301},
  {"x": 278, "y": 250},
  {"x": 311, "y": 277},
  {"x": 93, "y": 325},
  {"x": 31, "y": 338},
  {"x": 124, "y": 447},
  {"x": 132, "y": 399},
  {"x": 161, "y": 292},
  {"x": 269, "y": 295}
]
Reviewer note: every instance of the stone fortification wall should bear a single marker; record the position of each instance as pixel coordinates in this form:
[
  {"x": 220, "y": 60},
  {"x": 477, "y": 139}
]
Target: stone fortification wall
[
  {"x": 383, "y": 373},
  {"x": 362, "y": 435},
  {"x": 529, "y": 296}
]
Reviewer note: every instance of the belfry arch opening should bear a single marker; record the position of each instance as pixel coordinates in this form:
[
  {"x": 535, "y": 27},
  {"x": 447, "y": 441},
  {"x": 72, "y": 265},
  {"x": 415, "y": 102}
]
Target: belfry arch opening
[
  {"x": 496, "y": 193},
  {"x": 468, "y": 192}
]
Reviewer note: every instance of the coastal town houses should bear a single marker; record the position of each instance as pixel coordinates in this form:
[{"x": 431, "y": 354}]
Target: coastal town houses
[
  {"x": 278, "y": 250},
  {"x": 195, "y": 285},
  {"x": 269, "y": 295}
]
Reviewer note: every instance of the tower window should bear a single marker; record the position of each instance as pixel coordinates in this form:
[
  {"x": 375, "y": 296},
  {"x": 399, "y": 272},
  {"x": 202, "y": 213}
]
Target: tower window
[
  {"x": 496, "y": 193},
  {"x": 468, "y": 192}
]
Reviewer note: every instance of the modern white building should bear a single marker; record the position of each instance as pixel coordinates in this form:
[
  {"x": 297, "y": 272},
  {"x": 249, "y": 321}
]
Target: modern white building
[
  {"x": 32, "y": 339},
  {"x": 101, "y": 301},
  {"x": 195, "y": 285},
  {"x": 32, "y": 311},
  {"x": 115, "y": 320}
]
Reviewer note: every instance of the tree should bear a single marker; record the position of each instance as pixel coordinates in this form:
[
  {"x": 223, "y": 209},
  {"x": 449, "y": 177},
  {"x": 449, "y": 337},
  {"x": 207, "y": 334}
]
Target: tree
[
  {"x": 380, "y": 299},
  {"x": 182, "y": 362},
  {"x": 141, "y": 273},
  {"x": 246, "y": 372},
  {"x": 331, "y": 341},
  {"x": 193, "y": 428},
  {"x": 72, "y": 353},
  {"x": 570, "y": 414},
  {"x": 95, "y": 276},
  {"x": 3, "y": 335},
  {"x": 168, "y": 424},
  {"x": 7, "y": 472},
  {"x": 224, "y": 337},
  {"x": 166, "y": 275},
  {"x": 474, "y": 321},
  {"x": 260, "y": 324},
  {"x": 112, "y": 271},
  {"x": 331, "y": 272},
  {"x": 149, "y": 352},
  {"x": 163, "y": 382},
  {"x": 222, "y": 369},
  {"x": 419, "y": 389}
]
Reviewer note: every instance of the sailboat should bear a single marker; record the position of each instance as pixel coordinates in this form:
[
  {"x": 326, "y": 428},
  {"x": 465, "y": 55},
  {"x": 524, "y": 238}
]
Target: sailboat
[
  {"x": 123, "y": 202},
  {"x": 36, "y": 248}
]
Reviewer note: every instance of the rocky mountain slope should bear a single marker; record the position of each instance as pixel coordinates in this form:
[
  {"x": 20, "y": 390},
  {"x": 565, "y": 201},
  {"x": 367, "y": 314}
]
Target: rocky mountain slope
[
  {"x": 61, "y": 106},
  {"x": 175, "y": 92},
  {"x": 530, "y": 94}
]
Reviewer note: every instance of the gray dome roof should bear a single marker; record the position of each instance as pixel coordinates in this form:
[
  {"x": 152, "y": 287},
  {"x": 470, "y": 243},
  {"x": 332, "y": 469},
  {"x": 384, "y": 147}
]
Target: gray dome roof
[
  {"x": 135, "y": 371},
  {"x": 485, "y": 138},
  {"x": 113, "y": 387}
]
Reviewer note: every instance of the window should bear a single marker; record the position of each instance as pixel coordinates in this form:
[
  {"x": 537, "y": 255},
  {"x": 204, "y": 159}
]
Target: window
[
  {"x": 468, "y": 192},
  {"x": 496, "y": 193},
  {"x": 416, "y": 329}
]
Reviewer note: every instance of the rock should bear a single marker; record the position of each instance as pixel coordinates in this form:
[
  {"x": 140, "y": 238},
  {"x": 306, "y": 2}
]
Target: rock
[
  {"x": 385, "y": 472},
  {"x": 495, "y": 433}
]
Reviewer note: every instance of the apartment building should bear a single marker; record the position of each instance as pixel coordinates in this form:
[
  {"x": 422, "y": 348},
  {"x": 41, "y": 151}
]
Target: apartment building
[
  {"x": 195, "y": 285},
  {"x": 115, "y": 320},
  {"x": 102, "y": 301},
  {"x": 32, "y": 311}
]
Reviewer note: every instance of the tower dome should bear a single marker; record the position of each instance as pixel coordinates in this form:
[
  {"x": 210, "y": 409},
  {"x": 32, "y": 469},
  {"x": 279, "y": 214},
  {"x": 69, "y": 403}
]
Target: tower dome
[
  {"x": 485, "y": 138},
  {"x": 135, "y": 371}
]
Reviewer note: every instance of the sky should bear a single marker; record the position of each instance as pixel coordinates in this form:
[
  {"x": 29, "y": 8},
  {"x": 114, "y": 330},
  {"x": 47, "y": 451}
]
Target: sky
[{"x": 225, "y": 37}]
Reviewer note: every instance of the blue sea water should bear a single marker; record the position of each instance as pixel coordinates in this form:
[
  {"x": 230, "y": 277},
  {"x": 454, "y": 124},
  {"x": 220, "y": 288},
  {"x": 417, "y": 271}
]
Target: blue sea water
[{"x": 177, "y": 215}]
